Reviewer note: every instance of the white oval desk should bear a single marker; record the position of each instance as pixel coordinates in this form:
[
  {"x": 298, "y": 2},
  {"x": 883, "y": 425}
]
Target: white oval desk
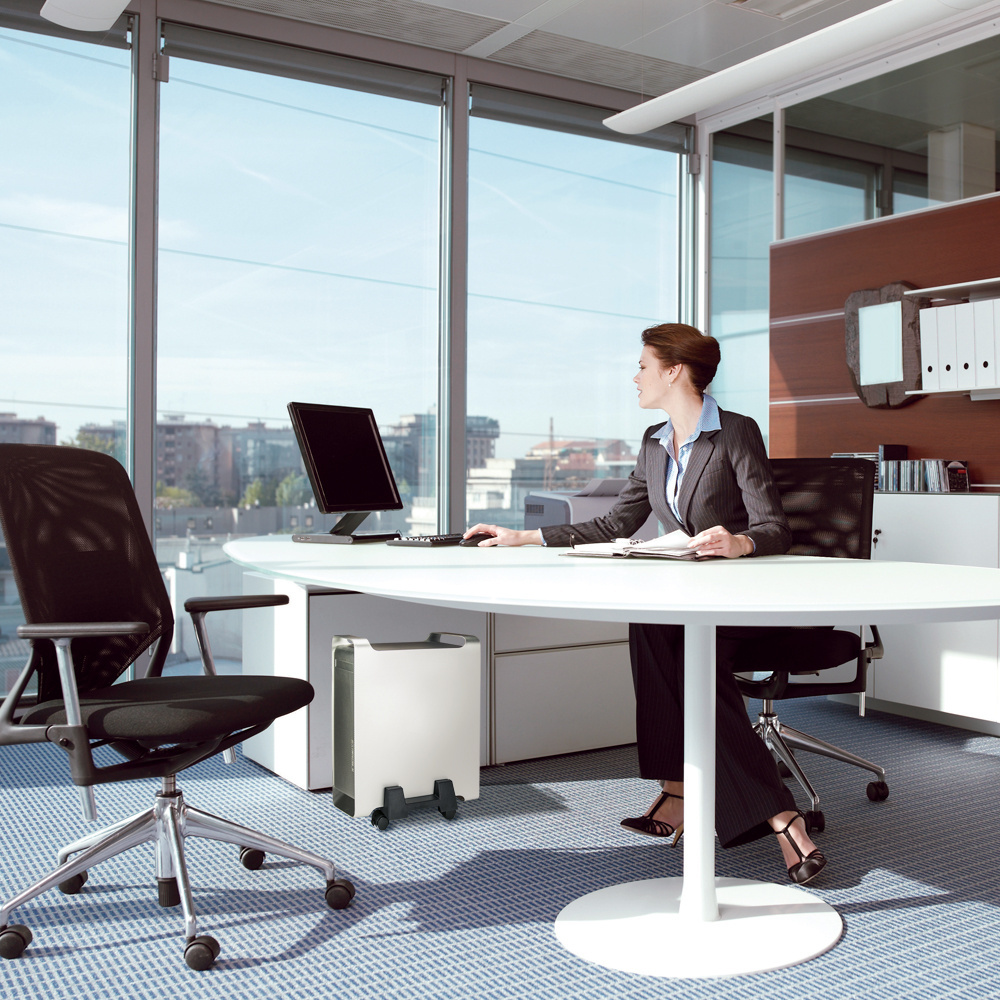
[{"x": 697, "y": 925}]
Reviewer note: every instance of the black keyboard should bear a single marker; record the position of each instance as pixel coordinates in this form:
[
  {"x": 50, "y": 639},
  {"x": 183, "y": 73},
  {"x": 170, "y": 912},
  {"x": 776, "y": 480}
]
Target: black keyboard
[{"x": 425, "y": 540}]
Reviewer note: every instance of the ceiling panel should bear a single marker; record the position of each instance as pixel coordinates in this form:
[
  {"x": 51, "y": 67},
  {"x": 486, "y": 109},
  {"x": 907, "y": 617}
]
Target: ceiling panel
[
  {"x": 500, "y": 10},
  {"x": 768, "y": 32},
  {"x": 645, "y": 46},
  {"x": 621, "y": 23},
  {"x": 602, "y": 64},
  {"x": 403, "y": 20},
  {"x": 698, "y": 37}
]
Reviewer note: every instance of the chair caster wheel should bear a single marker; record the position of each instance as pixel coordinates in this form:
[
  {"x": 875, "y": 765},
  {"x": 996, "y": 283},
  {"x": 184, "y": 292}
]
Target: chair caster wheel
[
  {"x": 878, "y": 791},
  {"x": 13, "y": 940},
  {"x": 380, "y": 820},
  {"x": 72, "y": 886},
  {"x": 251, "y": 858},
  {"x": 815, "y": 821},
  {"x": 201, "y": 952},
  {"x": 339, "y": 893},
  {"x": 784, "y": 771},
  {"x": 448, "y": 813}
]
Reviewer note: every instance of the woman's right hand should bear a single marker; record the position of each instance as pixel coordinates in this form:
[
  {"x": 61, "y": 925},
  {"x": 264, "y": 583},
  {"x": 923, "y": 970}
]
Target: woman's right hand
[{"x": 504, "y": 536}]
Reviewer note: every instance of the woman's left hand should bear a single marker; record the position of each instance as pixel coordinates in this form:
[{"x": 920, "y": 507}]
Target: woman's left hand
[{"x": 718, "y": 541}]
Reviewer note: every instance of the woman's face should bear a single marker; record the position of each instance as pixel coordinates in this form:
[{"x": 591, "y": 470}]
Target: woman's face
[{"x": 653, "y": 381}]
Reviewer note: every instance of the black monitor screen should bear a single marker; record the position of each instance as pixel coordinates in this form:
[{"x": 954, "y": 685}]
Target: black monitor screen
[{"x": 345, "y": 458}]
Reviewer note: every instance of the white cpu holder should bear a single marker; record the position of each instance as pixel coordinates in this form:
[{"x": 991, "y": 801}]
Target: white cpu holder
[{"x": 406, "y": 715}]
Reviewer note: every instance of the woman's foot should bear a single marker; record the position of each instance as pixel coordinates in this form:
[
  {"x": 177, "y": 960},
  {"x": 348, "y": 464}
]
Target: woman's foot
[
  {"x": 664, "y": 818},
  {"x": 803, "y": 859}
]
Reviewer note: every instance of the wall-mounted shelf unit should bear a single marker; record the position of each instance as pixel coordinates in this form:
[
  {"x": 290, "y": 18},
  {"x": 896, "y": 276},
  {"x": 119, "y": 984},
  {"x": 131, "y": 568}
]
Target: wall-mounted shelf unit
[
  {"x": 984, "y": 288},
  {"x": 959, "y": 339},
  {"x": 985, "y": 392}
]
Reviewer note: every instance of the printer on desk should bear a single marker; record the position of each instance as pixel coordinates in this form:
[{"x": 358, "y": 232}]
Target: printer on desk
[{"x": 571, "y": 506}]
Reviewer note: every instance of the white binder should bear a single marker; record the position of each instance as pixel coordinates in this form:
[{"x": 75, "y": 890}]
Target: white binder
[
  {"x": 929, "y": 375},
  {"x": 947, "y": 349},
  {"x": 965, "y": 346},
  {"x": 986, "y": 319}
]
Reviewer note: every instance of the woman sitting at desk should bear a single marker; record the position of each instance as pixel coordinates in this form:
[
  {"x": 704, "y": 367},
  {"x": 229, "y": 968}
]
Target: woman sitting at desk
[{"x": 705, "y": 471}]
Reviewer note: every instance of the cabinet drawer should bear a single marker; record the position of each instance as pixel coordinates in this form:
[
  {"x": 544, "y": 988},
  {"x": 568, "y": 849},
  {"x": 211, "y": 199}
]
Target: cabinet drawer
[
  {"x": 513, "y": 632},
  {"x": 562, "y": 700}
]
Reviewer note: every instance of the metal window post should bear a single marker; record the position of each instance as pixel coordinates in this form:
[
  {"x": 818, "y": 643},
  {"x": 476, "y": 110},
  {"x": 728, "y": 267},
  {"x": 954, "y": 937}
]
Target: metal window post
[
  {"x": 141, "y": 418},
  {"x": 453, "y": 309}
]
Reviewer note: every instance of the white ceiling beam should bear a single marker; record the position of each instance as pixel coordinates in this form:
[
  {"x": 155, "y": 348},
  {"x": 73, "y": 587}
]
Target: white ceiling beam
[
  {"x": 795, "y": 59},
  {"x": 905, "y": 50}
]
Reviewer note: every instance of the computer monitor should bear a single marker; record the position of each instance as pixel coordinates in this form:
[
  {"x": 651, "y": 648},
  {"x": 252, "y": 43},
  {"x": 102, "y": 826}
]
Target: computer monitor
[{"x": 347, "y": 467}]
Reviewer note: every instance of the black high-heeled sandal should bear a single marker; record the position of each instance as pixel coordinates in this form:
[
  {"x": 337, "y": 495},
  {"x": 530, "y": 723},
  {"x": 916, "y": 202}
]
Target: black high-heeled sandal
[
  {"x": 650, "y": 827},
  {"x": 809, "y": 865}
]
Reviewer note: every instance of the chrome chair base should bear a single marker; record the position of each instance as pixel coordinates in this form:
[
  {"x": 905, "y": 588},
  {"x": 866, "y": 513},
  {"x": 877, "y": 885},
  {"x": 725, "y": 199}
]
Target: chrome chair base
[
  {"x": 166, "y": 825},
  {"x": 782, "y": 740}
]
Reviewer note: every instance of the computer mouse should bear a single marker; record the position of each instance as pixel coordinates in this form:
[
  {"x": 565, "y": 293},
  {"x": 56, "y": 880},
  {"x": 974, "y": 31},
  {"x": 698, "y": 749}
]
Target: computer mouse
[{"x": 475, "y": 539}]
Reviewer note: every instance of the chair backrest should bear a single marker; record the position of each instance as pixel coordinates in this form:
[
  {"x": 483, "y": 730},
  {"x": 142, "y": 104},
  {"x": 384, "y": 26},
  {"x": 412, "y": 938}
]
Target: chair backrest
[
  {"x": 828, "y": 503},
  {"x": 80, "y": 553}
]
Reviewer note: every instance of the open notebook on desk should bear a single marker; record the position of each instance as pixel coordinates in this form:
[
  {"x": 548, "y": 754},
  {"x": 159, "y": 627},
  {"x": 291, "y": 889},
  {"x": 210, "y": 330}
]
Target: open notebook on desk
[{"x": 671, "y": 546}]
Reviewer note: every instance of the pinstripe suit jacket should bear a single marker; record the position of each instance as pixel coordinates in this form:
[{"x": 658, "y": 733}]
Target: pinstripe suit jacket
[{"x": 727, "y": 481}]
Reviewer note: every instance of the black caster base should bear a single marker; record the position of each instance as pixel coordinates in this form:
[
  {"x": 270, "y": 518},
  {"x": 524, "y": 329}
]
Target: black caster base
[
  {"x": 815, "y": 821},
  {"x": 201, "y": 951},
  {"x": 167, "y": 893},
  {"x": 397, "y": 806},
  {"x": 14, "y": 938},
  {"x": 73, "y": 885},
  {"x": 251, "y": 858},
  {"x": 878, "y": 791},
  {"x": 339, "y": 893}
]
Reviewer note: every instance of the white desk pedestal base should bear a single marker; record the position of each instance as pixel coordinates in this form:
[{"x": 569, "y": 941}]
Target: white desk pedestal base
[{"x": 635, "y": 927}]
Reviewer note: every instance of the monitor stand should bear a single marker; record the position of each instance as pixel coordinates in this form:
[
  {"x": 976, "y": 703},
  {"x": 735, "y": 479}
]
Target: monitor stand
[{"x": 343, "y": 531}]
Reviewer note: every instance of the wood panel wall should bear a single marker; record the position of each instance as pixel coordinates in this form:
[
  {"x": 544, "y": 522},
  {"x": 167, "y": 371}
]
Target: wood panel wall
[{"x": 814, "y": 410}]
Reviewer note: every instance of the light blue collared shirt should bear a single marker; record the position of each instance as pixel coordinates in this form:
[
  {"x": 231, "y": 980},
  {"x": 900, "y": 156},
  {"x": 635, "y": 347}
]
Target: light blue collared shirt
[{"x": 707, "y": 421}]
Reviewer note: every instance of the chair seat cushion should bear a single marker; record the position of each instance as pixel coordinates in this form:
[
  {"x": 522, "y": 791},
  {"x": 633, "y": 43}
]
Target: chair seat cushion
[
  {"x": 797, "y": 650},
  {"x": 166, "y": 710}
]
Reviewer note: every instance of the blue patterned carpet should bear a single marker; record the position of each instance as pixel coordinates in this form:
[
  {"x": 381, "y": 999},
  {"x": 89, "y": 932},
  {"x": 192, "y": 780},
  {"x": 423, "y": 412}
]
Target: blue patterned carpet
[{"x": 460, "y": 910}]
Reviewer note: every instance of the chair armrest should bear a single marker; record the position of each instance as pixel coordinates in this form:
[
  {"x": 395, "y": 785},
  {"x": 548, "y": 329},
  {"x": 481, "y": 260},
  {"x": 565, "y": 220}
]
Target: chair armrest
[
  {"x": 875, "y": 649},
  {"x": 80, "y": 630},
  {"x": 198, "y": 607},
  {"x": 202, "y": 605},
  {"x": 73, "y": 736}
]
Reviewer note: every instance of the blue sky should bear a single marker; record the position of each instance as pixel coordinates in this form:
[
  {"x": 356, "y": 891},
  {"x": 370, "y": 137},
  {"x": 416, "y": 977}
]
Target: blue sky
[{"x": 299, "y": 252}]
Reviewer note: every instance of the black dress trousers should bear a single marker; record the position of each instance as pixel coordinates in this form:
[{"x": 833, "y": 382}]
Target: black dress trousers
[{"x": 748, "y": 788}]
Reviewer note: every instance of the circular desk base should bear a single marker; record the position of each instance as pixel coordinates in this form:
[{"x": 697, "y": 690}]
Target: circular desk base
[{"x": 636, "y": 927}]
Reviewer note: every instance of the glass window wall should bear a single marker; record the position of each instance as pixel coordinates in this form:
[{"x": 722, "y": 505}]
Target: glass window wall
[
  {"x": 298, "y": 260},
  {"x": 931, "y": 127},
  {"x": 742, "y": 228},
  {"x": 64, "y": 257},
  {"x": 573, "y": 251},
  {"x": 823, "y": 191}
]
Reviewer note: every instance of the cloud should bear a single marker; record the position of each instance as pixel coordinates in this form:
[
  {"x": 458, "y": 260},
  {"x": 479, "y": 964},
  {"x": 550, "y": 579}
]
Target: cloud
[{"x": 77, "y": 218}]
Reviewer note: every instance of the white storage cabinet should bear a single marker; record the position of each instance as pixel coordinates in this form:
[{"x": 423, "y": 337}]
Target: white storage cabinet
[{"x": 944, "y": 667}]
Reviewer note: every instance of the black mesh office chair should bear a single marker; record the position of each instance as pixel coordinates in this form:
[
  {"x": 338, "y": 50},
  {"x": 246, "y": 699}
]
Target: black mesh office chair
[
  {"x": 828, "y": 502},
  {"x": 88, "y": 578}
]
